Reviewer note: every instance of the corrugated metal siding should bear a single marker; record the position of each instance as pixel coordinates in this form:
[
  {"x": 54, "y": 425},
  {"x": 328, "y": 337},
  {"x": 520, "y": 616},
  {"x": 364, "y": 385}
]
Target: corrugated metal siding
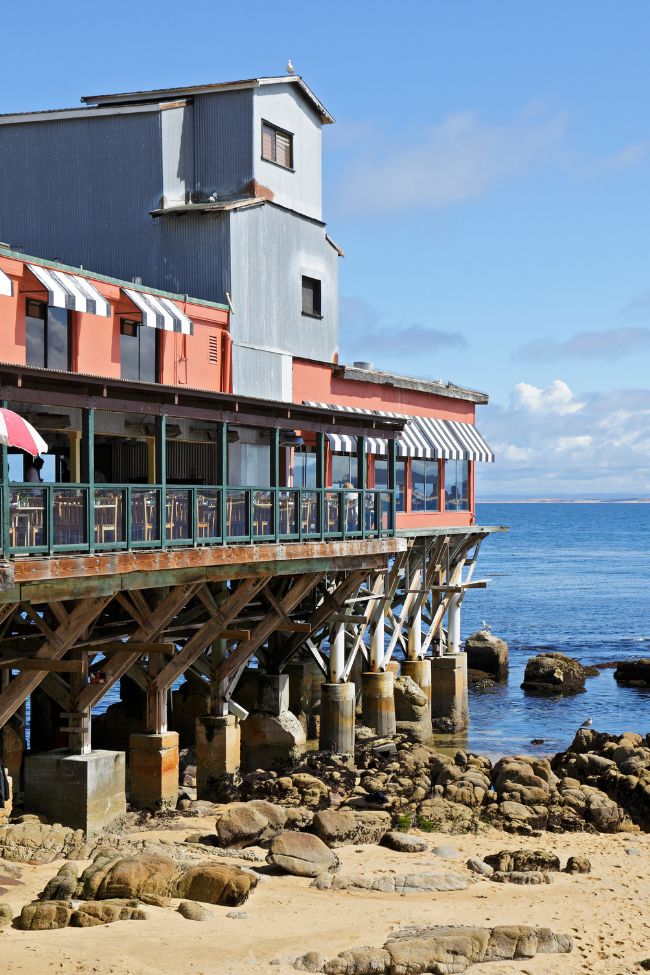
[
  {"x": 271, "y": 250},
  {"x": 258, "y": 372},
  {"x": 80, "y": 191},
  {"x": 195, "y": 251},
  {"x": 223, "y": 151},
  {"x": 177, "y": 127},
  {"x": 301, "y": 189}
]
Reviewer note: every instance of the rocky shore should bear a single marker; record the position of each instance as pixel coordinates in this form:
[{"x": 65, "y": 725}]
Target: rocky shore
[{"x": 405, "y": 820}]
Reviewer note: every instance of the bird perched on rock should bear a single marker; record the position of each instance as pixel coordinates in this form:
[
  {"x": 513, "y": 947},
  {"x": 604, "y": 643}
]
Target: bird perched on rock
[
  {"x": 290, "y": 67},
  {"x": 587, "y": 724}
]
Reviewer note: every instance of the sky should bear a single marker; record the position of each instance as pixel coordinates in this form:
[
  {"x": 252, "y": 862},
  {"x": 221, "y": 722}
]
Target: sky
[{"x": 487, "y": 178}]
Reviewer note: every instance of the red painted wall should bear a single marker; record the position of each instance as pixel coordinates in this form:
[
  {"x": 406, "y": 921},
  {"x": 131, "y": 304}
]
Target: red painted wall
[{"x": 184, "y": 360}]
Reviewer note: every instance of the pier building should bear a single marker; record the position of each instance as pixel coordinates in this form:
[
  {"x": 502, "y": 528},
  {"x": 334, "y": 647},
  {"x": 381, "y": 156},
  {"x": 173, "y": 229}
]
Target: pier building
[{"x": 229, "y": 525}]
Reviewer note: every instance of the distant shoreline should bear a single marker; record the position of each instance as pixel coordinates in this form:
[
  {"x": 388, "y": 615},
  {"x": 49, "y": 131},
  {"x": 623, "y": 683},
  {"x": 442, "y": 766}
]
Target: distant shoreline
[{"x": 567, "y": 501}]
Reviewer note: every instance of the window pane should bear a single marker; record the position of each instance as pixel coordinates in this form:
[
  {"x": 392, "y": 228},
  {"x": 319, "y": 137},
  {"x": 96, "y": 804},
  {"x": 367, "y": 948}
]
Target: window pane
[
  {"x": 267, "y": 142},
  {"x": 456, "y": 485},
  {"x": 283, "y": 149},
  {"x": 311, "y": 291},
  {"x": 304, "y": 468},
  {"x": 344, "y": 470},
  {"x": 418, "y": 468},
  {"x": 381, "y": 473},
  {"x": 148, "y": 338},
  {"x": 431, "y": 503},
  {"x": 35, "y": 340},
  {"x": 400, "y": 482},
  {"x": 58, "y": 339}
]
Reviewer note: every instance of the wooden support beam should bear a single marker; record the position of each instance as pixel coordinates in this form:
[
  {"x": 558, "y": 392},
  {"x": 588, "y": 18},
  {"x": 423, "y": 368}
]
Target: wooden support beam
[
  {"x": 293, "y": 628},
  {"x": 76, "y": 624},
  {"x": 51, "y": 666},
  {"x": 240, "y": 657},
  {"x": 230, "y": 634},
  {"x": 347, "y": 618},
  {"x": 211, "y": 631},
  {"x": 122, "y": 661}
]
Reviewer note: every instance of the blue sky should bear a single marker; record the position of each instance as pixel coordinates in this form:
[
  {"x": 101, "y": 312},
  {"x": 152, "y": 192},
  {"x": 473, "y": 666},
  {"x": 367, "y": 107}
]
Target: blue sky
[{"x": 487, "y": 177}]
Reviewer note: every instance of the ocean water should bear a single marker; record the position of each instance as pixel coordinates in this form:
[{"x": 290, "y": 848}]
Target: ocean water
[{"x": 568, "y": 577}]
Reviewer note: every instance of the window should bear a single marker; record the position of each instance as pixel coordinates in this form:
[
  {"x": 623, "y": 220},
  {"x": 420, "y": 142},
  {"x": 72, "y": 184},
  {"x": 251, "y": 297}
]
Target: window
[
  {"x": 304, "y": 467},
  {"x": 381, "y": 473},
  {"x": 344, "y": 470},
  {"x": 424, "y": 485},
  {"x": 138, "y": 352},
  {"x": 311, "y": 297},
  {"x": 47, "y": 336},
  {"x": 277, "y": 145},
  {"x": 400, "y": 485},
  {"x": 456, "y": 485}
]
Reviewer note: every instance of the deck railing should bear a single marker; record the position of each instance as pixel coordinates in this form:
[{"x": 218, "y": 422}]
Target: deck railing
[{"x": 50, "y": 518}]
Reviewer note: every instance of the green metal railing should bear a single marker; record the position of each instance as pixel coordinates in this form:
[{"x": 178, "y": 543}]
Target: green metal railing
[{"x": 84, "y": 518}]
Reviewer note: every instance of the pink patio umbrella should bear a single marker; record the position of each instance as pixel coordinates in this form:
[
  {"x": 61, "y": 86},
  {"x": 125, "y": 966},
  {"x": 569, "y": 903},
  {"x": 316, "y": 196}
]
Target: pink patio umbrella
[{"x": 17, "y": 432}]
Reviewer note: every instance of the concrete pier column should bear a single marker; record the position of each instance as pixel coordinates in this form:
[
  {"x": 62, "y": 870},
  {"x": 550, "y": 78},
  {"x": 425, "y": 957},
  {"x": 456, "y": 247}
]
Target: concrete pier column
[
  {"x": 218, "y": 751},
  {"x": 453, "y": 625},
  {"x": 449, "y": 707},
  {"x": 272, "y": 693},
  {"x": 153, "y": 764},
  {"x": 82, "y": 791},
  {"x": 419, "y": 671},
  {"x": 337, "y": 707},
  {"x": 379, "y": 702}
]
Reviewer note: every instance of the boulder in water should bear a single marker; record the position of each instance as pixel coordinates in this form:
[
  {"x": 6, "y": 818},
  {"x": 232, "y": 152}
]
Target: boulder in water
[
  {"x": 488, "y": 654},
  {"x": 554, "y": 673}
]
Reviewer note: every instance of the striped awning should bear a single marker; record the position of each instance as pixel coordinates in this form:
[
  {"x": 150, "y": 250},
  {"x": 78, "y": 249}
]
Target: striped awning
[
  {"x": 6, "y": 285},
  {"x": 158, "y": 312},
  {"x": 71, "y": 291},
  {"x": 422, "y": 437},
  {"x": 341, "y": 443}
]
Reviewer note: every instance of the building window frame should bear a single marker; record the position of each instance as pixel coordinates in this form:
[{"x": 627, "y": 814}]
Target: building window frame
[
  {"x": 133, "y": 329},
  {"x": 349, "y": 473},
  {"x": 430, "y": 501},
  {"x": 312, "y": 302},
  {"x": 35, "y": 311},
  {"x": 277, "y": 143},
  {"x": 461, "y": 499}
]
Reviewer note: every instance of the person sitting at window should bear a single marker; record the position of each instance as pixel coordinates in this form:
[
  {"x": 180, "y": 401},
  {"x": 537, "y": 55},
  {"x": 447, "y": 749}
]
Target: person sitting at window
[{"x": 34, "y": 471}]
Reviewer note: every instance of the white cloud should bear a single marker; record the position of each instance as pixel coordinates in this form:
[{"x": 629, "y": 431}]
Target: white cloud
[
  {"x": 458, "y": 159},
  {"x": 556, "y": 399},
  {"x": 626, "y": 158},
  {"x": 551, "y": 443}
]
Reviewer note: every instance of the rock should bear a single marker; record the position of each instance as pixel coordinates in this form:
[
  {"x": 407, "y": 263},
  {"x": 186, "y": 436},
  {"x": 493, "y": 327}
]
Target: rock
[
  {"x": 480, "y": 867},
  {"x": 313, "y": 961},
  {"x": 254, "y": 823},
  {"x": 216, "y": 884},
  {"x": 487, "y": 653},
  {"x": 238, "y": 915},
  {"x": 338, "y": 827},
  {"x": 410, "y": 883},
  {"x": 271, "y": 741},
  {"x": 193, "y": 911},
  {"x": 523, "y": 860},
  {"x": 440, "y": 950},
  {"x": 62, "y": 887},
  {"x": 301, "y": 854},
  {"x": 6, "y": 915},
  {"x": 521, "y": 877},
  {"x": 30, "y": 841},
  {"x": 412, "y": 711},
  {"x": 112, "y": 876},
  {"x": 107, "y": 912},
  {"x": 404, "y": 842},
  {"x": 47, "y": 916},
  {"x": 554, "y": 673},
  {"x": 633, "y": 851},
  {"x": 444, "y": 816},
  {"x": 446, "y": 852},
  {"x": 478, "y": 680},
  {"x": 633, "y": 673},
  {"x": 578, "y": 864}
]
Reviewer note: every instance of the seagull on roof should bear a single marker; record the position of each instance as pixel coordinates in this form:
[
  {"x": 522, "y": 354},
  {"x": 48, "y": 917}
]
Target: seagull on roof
[{"x": 290, "y": 67}]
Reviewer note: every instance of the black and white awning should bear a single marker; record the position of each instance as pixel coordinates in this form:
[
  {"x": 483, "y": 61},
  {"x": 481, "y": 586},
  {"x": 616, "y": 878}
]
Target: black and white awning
[
  {"x": 71, "y": 291},
  {"x": 341, "y": 443},
  {"x": 6, "y": 285},
  {"x": 158, "y": 312},
  {"x": 423, "y": 437}
]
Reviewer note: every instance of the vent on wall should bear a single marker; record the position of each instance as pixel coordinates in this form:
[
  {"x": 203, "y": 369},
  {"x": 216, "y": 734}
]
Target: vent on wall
[{"x": 213, "y": 349}]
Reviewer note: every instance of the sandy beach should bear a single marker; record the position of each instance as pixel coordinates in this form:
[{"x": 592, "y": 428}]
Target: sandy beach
[{"x": 605, "y": 912}]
